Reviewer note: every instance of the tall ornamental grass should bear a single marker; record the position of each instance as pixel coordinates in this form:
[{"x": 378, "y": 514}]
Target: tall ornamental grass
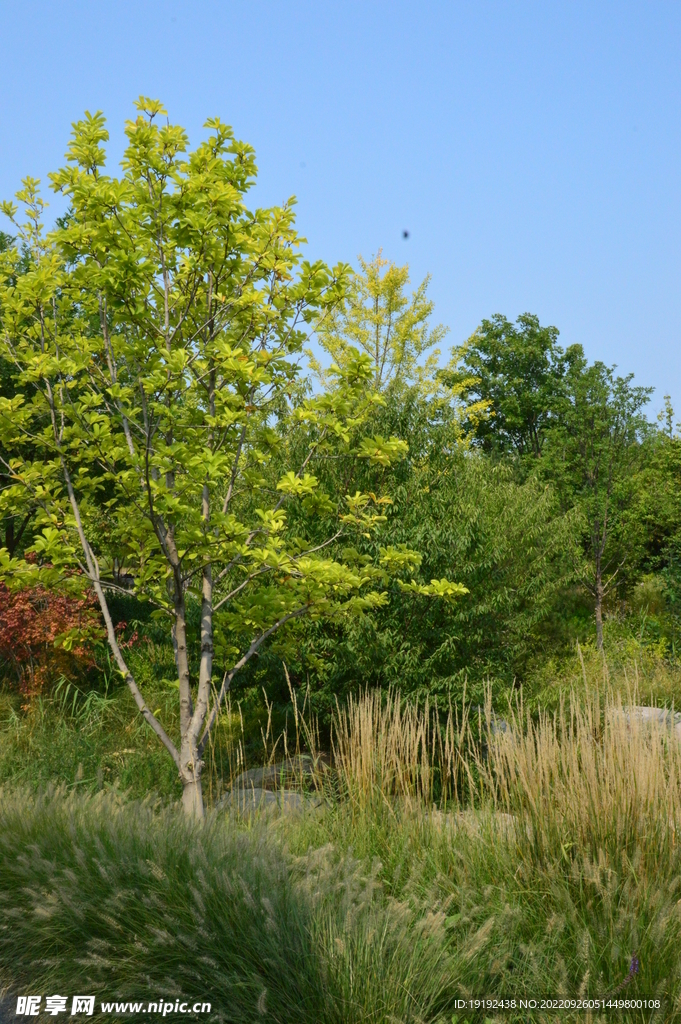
[{"x": 438, "y": 865}]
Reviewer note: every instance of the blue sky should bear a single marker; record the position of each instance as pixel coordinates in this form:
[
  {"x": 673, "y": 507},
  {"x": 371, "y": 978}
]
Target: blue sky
[{"x": 530, "y": 149}]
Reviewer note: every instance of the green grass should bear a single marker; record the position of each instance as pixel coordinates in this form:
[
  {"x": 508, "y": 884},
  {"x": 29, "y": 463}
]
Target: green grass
[
  {"x": 370, "y": 915},
  {"x": 99, "y": 743},
  {"x": 129, "y": 901},
  {"x": 631, "y": 664},
  {"x": 375, "y": 908}
]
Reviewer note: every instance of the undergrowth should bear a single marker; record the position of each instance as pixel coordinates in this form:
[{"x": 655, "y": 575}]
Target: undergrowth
[{"x": 552, "y": 867}]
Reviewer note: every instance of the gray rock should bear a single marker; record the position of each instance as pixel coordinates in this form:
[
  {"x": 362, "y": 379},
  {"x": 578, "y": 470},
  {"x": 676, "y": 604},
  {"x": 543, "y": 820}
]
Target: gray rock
[
  {"x": 497, "y": 726},
  {"x": 648, "y": 718},
  {"x": 246, "y": 800},
  {"x": 250, "y": 792},
  {"x": 478, "y": 823},
  {"x": 8, "y": 1005},
  {"x": 294, "y": 770}
]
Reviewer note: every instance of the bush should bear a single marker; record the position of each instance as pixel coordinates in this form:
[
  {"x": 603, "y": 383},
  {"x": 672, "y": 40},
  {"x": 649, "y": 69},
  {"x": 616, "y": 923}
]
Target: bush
[{"x": 46, "y": 634}]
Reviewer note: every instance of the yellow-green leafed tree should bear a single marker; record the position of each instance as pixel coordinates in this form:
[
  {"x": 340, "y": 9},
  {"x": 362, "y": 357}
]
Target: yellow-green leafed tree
[
  {"x": 380, "y": 319},
  {"x": 155, "y": 337}
]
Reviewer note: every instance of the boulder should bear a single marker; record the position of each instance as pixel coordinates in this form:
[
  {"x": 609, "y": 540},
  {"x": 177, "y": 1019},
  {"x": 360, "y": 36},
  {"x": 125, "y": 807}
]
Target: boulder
[
  {"x": 276, "y": 787},
  {"x": 497, "y": 726},
  {"x": 247, "y": 799},
  {"x": 294, "y": 770},
  {"x": 478, "y": 823},
  {"x": 648, "y": 718},
  {"x": 8, "y": 1005}
]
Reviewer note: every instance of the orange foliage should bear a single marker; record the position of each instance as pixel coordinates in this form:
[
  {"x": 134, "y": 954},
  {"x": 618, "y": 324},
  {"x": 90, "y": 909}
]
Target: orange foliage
[{"x": 45, "y": 634}]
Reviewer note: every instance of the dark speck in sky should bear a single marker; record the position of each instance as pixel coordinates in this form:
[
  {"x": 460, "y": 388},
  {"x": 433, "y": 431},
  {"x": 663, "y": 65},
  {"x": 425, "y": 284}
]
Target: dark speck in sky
[{"x": 405, "y": 234}]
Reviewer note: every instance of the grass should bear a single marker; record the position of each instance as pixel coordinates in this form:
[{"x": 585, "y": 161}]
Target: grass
[
  {"x": 545, "y": 866},
  {"x": 641, "y": 660},
  {"x": 97, "y": 743},
  {"x": 130, "y": 901}
]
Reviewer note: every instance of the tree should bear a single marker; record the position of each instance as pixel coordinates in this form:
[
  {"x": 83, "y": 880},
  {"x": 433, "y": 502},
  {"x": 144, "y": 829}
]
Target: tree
[
  {"x": 592, "y": 451},
  {"x": 469, "y": 518},
  {"x": 16, "y": 522},
  {"x": 518, "y": 370},
  {"x": 155, "y": 335},
  {"x": 656, "y": 512},
  {"x": 377, "y": 318},
  {"x": 505, "y": 540}
]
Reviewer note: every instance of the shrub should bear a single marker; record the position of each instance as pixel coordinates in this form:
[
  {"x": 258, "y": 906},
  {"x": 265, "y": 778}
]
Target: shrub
[{"x": 46, "y": 634}]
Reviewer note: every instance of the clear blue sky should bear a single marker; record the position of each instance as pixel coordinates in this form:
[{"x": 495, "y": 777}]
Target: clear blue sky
[{"x": 530, "y": 149}]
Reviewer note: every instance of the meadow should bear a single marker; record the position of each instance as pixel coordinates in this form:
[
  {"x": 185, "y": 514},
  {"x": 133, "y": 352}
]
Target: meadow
[{"x": 435, "y": 859}]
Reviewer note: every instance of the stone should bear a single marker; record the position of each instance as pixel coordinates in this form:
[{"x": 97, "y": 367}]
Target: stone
[
  {"x": 302, "y": 767},
  {"x": 268, "y": 788},
  {"x": 648, "y": 717},
  {"x": 497, "y": 726},
  {"x": 476, "y": 822},
  {"x": 246, "y": 800},
  {"x": 8, "y": 1004}
]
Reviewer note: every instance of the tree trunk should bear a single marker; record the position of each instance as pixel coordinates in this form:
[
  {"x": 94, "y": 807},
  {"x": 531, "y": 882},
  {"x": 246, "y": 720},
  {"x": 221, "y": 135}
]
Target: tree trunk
[
  {"x": 599, "y": 610},
  {"x": 192, "y": 794},
  {"x": 190, "y": 761},
  {"x": 191, "y": 766},
  {"x": 9, "y": 537}
]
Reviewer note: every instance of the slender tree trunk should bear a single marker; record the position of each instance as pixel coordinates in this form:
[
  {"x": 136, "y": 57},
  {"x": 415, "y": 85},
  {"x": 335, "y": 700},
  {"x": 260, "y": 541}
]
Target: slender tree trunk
[
  {"x": 9, "y": 536},
  {"x": 207, "y": 650},
  {"x": 599, "y": 609},
  {"x": 206, "y": 669},
  {"x": 190, "y": 761},
  {"x": 192, "y": 797}
]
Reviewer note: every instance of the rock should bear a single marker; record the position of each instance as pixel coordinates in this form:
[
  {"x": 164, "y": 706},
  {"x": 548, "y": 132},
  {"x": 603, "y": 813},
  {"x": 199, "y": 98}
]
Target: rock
[
  {"x": 269, "y": 789},
  {"x": 475, "y": 822},
  {"x": 246, "y": 800},
  {"x": 648, "y": 718},
  {"x": 295, "y": 770},
  {"x": 8, "y": 1005},
  {"x": 497, "y": 726}
]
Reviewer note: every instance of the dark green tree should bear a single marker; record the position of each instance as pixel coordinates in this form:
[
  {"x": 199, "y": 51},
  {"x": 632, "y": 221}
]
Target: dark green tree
[
  {"x": 592, "y": 455},
  {"x": 510, "y": 542},
  {"x": 656, "y": 513},
  {"x": 519, "y": 371}
]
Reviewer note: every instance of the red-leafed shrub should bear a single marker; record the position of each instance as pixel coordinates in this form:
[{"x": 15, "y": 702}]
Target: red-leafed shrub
[
  {"x": 120, "y": 629},
  {"x": 45, "y": 634}
]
